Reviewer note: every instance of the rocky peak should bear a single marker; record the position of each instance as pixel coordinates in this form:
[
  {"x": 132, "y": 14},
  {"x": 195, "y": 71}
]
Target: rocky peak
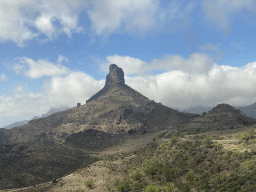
[
  {"x": 116, "y": 75},
  {"x": 115, "y": 78}
]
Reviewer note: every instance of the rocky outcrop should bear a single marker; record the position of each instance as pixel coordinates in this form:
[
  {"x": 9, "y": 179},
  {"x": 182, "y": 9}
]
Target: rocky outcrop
[{"x": 116, "y": 75}]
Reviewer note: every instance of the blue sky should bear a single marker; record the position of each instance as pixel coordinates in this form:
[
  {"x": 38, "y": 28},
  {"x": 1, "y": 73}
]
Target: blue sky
[{"x": 180, "y": 53}]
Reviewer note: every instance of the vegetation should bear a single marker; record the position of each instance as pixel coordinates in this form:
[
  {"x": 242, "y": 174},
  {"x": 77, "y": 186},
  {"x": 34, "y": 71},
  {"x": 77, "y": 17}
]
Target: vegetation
[
  {"x": 200, "y": 165},
  {"x": 247, "y": 136},
  {"x": 89, "y": 183}
]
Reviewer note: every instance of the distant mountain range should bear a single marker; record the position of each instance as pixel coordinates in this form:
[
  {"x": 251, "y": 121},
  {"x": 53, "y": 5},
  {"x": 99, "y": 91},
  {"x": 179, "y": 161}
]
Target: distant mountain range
[{"x": 51, "y": 111}]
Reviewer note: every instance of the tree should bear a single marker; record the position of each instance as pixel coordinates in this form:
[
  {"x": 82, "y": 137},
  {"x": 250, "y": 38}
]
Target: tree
[{"x": 89, "y": 183}]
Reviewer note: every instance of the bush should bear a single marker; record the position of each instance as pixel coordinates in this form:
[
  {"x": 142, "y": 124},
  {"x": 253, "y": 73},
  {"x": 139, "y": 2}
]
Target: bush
[
  {"x": 122, "y": 186},
  {"x": 185, "y": 187},
  {"x": 246, "y": 136},
  {"x": 151, "y": 167},
  {"x": 169, "y": 187},
  {"x": 138, "y": 186},
  {"x": 89, "y": 183},
  {"x": 150, "y": 188},
  {"x": 137, "y": 175}
]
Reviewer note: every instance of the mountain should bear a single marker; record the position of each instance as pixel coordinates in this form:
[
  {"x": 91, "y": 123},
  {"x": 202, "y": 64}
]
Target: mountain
[
  {"x": 222, "y": 116},
  {"x": 116, "y": 108},
  {"x": 51, "y": 111},
  {"x": 53, "y": 146},
  {"x": 249, "y": 111},
  {"x": 16, "y": 124}
]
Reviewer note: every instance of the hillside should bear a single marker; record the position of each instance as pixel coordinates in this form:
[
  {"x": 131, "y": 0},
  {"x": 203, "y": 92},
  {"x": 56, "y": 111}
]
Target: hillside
[
  {"x": 177, "y": 164},
  {"x": 222, "y": 116}
]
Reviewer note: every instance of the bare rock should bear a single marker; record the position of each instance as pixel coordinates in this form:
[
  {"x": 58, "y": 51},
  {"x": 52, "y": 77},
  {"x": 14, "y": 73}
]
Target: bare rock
[{"x": 116, "y": 75}]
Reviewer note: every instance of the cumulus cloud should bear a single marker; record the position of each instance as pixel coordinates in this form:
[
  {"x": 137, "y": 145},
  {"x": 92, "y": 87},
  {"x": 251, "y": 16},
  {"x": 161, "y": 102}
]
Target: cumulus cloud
[
  {"x": 3, "y": 77},
  {"x": 19, "y": 19},
  {"x": 220, "y": 11},
  {"x": 66, "y": 90},
  {"x": 178, "y": 89},
  {"x": 196, "y": 63},
  {"x": 30, "y": 19},
  {"x": 192, "y": 81},
  {"x": 128, "y": 64},
  {"x": 37, "y": 69},
  {"x": 76, "y": 87}
]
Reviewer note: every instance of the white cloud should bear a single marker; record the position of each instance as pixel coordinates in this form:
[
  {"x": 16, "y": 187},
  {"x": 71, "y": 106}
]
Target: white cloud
[
  {"x": 37, "y": 69},
  {"x": 135, "y": 17},
  {"x": 190, "y": 82},
  {"x": 128, "y": 64},
  {"x": 18, "y": 18},
  {"x": 62, "y": 58},
  {"x": 108, "y": 16},
  {"x": 75, "y": 87},
  {"x": 220, "y": 11},
  {"x": 196, "y": 63},
  {"x": 21, "y": 21},
  {"x": 3, "y": 77},
  {"x": 44, "y": 24}
]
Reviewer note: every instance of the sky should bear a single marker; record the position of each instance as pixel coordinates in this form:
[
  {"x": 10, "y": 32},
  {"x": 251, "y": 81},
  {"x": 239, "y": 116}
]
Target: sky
[{"x": 179, "y": 53}]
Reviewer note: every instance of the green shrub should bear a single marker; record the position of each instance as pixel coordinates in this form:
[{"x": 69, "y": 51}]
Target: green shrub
[
  {"x": 138, "y": 186},
  {"x": 185, "y": 187},
  {"x": 122, "y": 186},
  {"x": 150, "y": 188},
  {"x": 137, "y": 175},
  {"x": 169, "y": 187},
  {"x": 151, "y": 167},
  {"x": 89, "y": 183}
]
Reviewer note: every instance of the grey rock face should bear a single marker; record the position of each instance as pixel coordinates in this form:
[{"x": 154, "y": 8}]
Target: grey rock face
[{"x": 116, "y": 74}]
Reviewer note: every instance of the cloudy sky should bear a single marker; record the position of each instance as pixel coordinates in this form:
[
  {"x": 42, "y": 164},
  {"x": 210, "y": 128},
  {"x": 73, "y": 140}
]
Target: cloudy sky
[{"x": 180, "y": 53}]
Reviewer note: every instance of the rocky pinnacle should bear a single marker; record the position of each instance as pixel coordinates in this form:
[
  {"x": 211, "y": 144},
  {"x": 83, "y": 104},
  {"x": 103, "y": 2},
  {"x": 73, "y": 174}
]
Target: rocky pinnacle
[
  {"x": 114, "y": 78},
  {"x": 116, "y": 75}
]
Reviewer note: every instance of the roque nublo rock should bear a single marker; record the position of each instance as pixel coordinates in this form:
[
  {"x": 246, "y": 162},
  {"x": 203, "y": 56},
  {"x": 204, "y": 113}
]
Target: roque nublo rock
[{"x": 115, "y": 108}]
